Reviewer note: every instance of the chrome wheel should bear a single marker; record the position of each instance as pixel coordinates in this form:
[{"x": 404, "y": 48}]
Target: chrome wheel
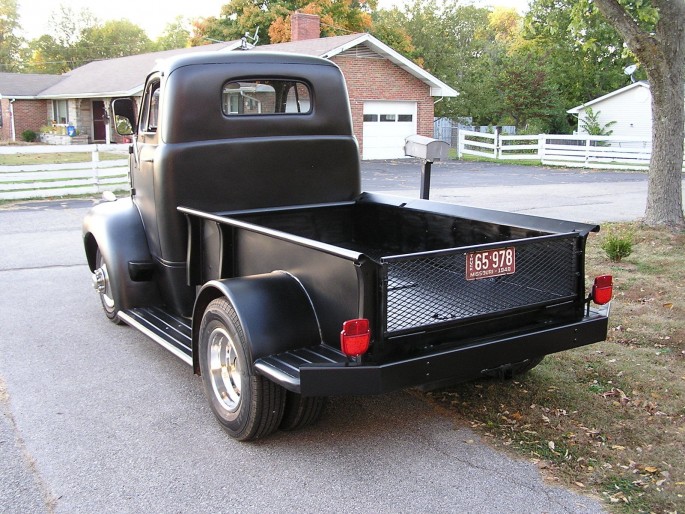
[
  {"x": 103, "y": 285},
  {"x": 224, "y": 369},
  {"x": 247, "y": 405}
]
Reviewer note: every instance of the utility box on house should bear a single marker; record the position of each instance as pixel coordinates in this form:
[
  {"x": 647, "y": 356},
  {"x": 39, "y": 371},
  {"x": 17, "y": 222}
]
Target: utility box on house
[{"x": 426, "y": 148}]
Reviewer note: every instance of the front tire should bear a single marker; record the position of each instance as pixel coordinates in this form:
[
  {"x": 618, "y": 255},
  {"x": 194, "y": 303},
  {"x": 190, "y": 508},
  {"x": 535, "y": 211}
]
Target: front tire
[
  {"x": 247, "y": 405},
  {"x": 104, "y": 287}
]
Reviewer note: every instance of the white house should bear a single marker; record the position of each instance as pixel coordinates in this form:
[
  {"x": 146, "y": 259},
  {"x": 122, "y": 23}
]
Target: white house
[{"x": 629, "y": 107}]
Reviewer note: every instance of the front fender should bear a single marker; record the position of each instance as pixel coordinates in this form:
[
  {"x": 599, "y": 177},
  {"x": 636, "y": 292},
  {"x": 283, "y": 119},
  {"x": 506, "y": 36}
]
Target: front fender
[
  {"x": 274, "y": 310},
  {"x": 116, "y": 229}
]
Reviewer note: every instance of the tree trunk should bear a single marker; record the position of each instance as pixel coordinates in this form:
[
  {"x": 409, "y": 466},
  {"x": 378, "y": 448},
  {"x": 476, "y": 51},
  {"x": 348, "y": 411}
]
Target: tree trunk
[
  {"x": 662, "y": 55},
  {"x": 664, "y": 193}
]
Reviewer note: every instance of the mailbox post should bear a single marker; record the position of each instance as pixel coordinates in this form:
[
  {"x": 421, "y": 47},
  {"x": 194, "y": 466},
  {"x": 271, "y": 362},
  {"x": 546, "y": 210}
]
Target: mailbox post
[{"x": 429, "y": 150}]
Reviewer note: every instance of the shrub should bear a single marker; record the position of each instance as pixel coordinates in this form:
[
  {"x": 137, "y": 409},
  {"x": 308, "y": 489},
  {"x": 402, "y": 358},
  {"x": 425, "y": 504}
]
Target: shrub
[
  {"x": 618, "y": 244},
  {"x": 29, "y": 136}
]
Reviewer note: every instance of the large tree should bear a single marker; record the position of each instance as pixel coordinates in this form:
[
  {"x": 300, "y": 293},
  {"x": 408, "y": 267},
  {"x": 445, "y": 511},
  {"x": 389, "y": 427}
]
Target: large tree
[
  {"x": 114, "y": 38},
  {"x": 271, "y": 17},
  {"x": 78, "y": 38},
  {"x": 58, "y": 51},
  {"x": 10, "y": 41},
  {"x": 176, "y": 35},
  {"x": 661, "y": 51},
  {"x": 584, "y": 53}
]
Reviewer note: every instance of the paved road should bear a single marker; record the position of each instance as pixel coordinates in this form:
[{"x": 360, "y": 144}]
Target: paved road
[
  {"x": 577, "y": 195},
  {"x": 96, "y": 418}
]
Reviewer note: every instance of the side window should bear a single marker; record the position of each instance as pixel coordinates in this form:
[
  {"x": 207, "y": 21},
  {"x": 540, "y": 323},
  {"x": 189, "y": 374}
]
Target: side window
[
  {"x": 265, "y": 96},
  {"x": 150, "y": 113}
]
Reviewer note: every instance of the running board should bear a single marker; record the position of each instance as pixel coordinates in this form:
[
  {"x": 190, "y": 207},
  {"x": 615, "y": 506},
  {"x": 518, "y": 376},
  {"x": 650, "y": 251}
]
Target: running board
[
  {"x": 173, "y": 333},
  {"x": 284, "y": 368}
]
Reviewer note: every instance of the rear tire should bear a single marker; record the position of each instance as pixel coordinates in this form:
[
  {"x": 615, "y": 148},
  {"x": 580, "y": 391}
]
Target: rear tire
[
  {"x": 301, "y": 411},
  {"x": 106, "y": 296},
  {"x": 247, "y": 405}
]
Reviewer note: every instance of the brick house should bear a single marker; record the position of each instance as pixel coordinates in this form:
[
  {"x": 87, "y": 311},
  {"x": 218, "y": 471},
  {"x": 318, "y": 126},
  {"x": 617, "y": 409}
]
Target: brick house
[
  {"x": 390, "y": 96},
  {"x": 19, "y": 108}
]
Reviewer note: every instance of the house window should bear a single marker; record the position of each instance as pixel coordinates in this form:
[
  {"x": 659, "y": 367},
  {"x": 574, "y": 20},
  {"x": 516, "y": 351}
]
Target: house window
[
  {"x": 371, "y": 117},
  {"x": 387, "y": 117},
  {"x": 265, "y": 96},
  {"x": 60, "y": 111},
  {"x": 404, "y": 118}
]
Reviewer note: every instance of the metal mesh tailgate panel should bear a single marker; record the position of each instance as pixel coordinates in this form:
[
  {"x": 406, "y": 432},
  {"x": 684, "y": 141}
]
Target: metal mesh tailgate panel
[{"x": 424, "y": 291}]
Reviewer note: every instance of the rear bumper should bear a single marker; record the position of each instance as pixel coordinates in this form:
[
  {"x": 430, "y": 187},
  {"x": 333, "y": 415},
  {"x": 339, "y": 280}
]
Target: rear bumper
[{"x": 460, "y": 364}]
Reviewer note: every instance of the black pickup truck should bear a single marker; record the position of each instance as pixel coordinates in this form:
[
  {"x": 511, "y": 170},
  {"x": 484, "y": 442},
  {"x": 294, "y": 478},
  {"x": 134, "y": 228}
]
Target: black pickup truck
[{"x": 248, "y": 250}]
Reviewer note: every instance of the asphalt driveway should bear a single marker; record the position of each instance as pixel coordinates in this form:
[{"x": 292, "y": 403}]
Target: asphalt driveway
[{"x": 96, "y": 418}]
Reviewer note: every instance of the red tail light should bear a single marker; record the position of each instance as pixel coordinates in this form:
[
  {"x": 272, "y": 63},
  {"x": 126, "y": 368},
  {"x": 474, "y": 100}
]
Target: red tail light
[
  {"x": 355, "y": 337},
  {"x": 602, "y": 289}
]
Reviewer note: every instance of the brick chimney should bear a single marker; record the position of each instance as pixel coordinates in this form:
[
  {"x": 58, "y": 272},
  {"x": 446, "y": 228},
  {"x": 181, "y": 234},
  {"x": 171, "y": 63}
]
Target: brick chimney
[{"x": 304, "y": 26}]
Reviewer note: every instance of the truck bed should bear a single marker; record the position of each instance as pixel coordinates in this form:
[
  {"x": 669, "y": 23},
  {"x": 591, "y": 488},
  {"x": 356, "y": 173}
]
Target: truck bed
[{"x": 419, "y": 253}]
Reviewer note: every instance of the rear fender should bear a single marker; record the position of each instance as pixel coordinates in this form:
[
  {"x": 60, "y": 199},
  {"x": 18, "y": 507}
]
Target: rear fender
[
  {"x": 117, "y": 230},
  {"x": 274, "y": 310}
]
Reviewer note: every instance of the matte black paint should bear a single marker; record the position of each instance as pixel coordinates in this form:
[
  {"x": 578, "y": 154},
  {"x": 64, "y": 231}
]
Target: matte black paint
[
  {"x": 274, "y": 310},
  {"x": 267, "y": 211}
]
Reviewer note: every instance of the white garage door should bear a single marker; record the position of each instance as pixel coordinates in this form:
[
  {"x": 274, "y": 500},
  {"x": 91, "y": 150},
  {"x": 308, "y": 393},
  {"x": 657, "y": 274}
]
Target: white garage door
[{"x": 386, "y": 125}]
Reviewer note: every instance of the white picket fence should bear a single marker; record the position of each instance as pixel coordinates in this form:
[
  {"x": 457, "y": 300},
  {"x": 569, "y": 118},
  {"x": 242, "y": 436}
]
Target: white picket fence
[
  {"x": 597, "y": 152},
  {"x": 24, "y": 182}
]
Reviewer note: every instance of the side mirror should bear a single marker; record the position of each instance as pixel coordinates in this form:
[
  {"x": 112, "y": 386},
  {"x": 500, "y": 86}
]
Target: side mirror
[{"x": 124, "y": 116}]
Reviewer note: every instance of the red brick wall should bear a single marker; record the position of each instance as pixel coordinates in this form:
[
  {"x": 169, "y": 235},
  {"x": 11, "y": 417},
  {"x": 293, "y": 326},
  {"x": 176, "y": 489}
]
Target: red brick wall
[
  {"x": 371, "y": 79},
  {"x": 304, "y": 26},
  {"x": 28, "y": 115}
]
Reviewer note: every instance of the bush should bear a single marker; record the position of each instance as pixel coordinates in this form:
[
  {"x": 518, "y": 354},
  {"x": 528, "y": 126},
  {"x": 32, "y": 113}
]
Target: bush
[
  {"x": 29, "y": 136},
  {"x": 618, "y": 244}
]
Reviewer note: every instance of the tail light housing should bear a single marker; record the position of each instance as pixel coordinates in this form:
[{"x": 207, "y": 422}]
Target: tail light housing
[
  {"x": 355, "y": 337},
  {"x": 602, "y": 289}
]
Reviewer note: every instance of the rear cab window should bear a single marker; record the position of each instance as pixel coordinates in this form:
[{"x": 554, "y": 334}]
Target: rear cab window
[{"x": 255, "y": 97}]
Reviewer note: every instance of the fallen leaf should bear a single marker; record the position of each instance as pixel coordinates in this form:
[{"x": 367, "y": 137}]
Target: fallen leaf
[
  {"x": 579, "y": 484},
  {"x": 651, "y": 469},
  {"x": 668, "y": 305},
  {"x": 551, "y": 446}
]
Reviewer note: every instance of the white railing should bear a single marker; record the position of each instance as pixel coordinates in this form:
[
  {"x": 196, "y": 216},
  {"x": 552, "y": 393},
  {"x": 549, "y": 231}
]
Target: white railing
[
  {"x": 518, "y": 147},
  {"x": 598, "y": 152},
  {"x": 22, "y": 182},
  {"x": 481, "y": 144},
  {"x": 605, "y": 152}
]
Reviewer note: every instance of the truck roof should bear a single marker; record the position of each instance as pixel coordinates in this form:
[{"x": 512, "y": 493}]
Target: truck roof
[{"x": 228, "y": 57}]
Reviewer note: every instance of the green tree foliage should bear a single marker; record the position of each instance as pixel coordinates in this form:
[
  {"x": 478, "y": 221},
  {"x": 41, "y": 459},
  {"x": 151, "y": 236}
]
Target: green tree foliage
[
  {"x": 527, "y": 92},
  {"x": 587, "y": 59},
  {"x": 78, "y": 38},
  {"x": 272, "y": 18},
  {"x": 593, "y": 126},
  {"x": 176, "y": 35},
  {"x": 388, "y": 26},
  {"x": 10, "y": 41},
  {"x": 456, "y": 44},
  {"x": 115, "y": 38},
  {"x": 59, "y": 51}
]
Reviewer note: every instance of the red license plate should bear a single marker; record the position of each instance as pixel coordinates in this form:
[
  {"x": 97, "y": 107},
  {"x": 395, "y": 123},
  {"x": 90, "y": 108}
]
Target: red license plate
[{"x": 490, "y": 263}]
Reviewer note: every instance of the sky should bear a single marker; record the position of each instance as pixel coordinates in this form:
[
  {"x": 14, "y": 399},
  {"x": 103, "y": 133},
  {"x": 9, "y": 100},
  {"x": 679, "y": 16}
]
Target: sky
[{"x": 153, "y": 15}]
